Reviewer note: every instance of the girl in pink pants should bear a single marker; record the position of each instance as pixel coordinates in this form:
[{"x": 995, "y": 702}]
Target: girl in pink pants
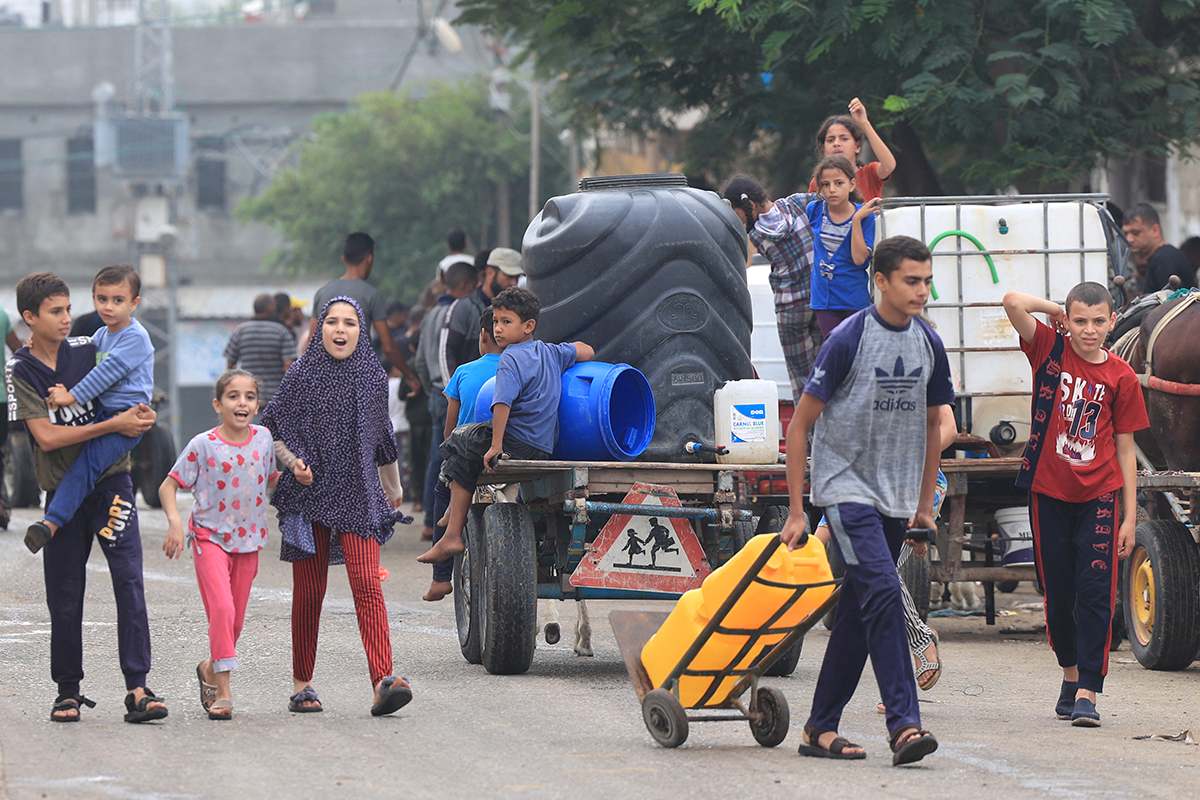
[{"x": 228, "y": 470}]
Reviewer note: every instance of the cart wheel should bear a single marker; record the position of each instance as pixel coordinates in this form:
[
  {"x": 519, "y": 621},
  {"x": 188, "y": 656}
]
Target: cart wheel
[
  {"x": 152, "y": 460},
  {"x": 1161, "y": 603},
  {"x": 19, "y": 478},
  {"x": 1008, "y": 587},
  {"x": 665, "y": 718},
  {"x": 786, "y": 665},
  {"x": 915, "y": 574},
  {"x": 743, "y": 532},
  {"x": 507, "y": 593},
  {"x": 772, "y": 727},
  {"x": 772, "y": 520},
  {"x": 466, "y": 584}
]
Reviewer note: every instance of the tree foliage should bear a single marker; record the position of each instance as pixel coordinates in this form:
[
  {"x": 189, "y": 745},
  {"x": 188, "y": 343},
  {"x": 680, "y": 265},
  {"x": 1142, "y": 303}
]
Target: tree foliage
[
  {"x": 405, "y": 168},
  {"x": 992, "y": 92}
]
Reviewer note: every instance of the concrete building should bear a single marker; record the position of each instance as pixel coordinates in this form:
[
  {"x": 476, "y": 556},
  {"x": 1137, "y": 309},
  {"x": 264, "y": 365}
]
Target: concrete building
[{"x": 248, "y": 91}]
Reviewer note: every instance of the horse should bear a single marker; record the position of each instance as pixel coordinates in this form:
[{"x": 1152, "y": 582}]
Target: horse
[{"x": 1170, "y": 377}]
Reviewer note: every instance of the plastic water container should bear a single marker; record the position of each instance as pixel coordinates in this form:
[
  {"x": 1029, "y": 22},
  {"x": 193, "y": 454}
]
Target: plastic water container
[
  {"x": 1042, "y": 249},
  {"x": 754, "y": 609},
  {"x": 605, "y": 412},
  {"x": 651, "y": 273},
  {"x": 1017, "y": 545},
  {"x": 746, "y": 420}
]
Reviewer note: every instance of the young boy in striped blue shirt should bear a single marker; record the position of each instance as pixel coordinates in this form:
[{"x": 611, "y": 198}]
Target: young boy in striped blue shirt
[{"x": 123, "y": 378}]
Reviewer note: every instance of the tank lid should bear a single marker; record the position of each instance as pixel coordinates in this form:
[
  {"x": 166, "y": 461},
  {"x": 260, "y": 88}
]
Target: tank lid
[{"x": 606, "y": 182}]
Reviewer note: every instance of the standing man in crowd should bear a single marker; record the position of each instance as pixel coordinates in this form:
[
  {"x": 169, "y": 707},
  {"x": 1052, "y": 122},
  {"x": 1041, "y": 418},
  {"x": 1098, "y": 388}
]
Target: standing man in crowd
[
  {"x": 263, "y": 346},
  {"x": 456, "y": 243},
  {"x": 1161, "y": 260},
  {"x": 358, "y": 255},
  {"x": 459, "y": 282},
  {"x": 501, "y": 269}
]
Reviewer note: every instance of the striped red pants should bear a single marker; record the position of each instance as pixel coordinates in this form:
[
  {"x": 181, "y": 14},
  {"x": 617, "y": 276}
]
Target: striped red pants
[{"x": 309, "y": 578}]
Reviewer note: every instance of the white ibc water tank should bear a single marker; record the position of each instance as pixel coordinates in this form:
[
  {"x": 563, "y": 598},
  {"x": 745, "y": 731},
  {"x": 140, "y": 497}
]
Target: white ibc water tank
[
  {"x": 747, "y": 422},
  {"x": 1040, "y": 246}
]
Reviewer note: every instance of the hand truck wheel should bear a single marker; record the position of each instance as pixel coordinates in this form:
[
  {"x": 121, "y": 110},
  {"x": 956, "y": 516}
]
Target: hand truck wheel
[{"x": 665, "y": 718}]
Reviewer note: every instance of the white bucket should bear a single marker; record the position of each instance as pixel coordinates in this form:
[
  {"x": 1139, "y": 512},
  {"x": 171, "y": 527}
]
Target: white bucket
[
  {"x": 746, "y": 418},
  {"x": 1017, "y": 545}
]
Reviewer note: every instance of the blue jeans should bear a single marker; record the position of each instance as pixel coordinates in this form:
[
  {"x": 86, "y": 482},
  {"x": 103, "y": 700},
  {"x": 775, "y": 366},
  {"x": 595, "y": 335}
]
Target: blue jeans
[
  {"x": 80, "y": 479},
  {"x": 869, "y": 620}
]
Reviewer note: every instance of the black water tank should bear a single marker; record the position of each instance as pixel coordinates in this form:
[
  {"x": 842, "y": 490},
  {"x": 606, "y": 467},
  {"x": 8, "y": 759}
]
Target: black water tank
[{"x": 651, "y": 273}]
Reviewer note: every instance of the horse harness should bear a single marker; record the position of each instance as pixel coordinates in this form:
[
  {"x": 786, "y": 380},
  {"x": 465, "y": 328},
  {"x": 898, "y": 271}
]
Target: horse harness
[{"x": 1124, "y": 348}]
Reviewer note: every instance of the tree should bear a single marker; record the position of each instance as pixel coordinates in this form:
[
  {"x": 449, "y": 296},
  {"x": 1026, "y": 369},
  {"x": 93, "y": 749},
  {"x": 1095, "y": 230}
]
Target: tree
[
  {"x": 973, "y": 95},
  {"x": 405, "y": 168}
]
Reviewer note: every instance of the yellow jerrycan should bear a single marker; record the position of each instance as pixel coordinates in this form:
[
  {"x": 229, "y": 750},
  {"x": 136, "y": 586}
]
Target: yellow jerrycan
[{"x": 759, "y": 606}]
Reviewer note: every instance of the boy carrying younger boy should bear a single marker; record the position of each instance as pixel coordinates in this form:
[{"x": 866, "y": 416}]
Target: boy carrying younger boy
[
  {"x": 1086, "y": 406},
  {"x": 524, "y": 407},
  {"x": 122, "y": 378},
  {"x": 461, "y": 392}
]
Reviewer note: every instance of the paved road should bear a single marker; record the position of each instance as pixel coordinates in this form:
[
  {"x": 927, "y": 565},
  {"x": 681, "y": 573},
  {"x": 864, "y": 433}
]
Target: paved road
[{"x": 569, "y": 728}]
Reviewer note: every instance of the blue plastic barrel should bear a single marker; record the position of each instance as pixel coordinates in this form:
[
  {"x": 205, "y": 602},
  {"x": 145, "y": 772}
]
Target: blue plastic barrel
[
  {"x": 605, "y": 413},
  {"x": 483, "y": 400}
]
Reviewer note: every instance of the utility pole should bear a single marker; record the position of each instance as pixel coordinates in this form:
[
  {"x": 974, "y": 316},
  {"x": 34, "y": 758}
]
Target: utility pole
[
  {"x": 535, "y": 148},
  {"x": 154, "y": 97}
]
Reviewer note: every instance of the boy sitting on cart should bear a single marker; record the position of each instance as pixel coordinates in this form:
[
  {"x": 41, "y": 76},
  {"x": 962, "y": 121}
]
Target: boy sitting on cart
[
  {"x": 875, "y": 396},
  {"x": 524, "y": 420}
]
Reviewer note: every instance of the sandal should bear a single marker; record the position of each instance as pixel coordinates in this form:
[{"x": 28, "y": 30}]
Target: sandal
[
  {"x": 392, "y": 698},
  {"x": 306, "y": 695},
  {"x": 837, "y": 748},
  {"x": 907, "y": 749},
  {"x": 931, "y": 671},
  {"x": 69, "y": 703},
  {"x": 221, "y": 709},
  {"x": 208, "y": 692},
  {"x": 139, "y": 711}
]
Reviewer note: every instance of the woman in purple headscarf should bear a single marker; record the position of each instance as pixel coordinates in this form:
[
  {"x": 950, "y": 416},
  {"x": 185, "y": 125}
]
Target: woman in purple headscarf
[{"x": 329, "y": 418}]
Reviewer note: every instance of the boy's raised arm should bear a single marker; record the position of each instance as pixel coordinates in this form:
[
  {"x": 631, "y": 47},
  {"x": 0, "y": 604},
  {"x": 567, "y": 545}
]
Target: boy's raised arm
[
  {"x": 583, "y": 352},
  {"x": 1020, "y": 309}
]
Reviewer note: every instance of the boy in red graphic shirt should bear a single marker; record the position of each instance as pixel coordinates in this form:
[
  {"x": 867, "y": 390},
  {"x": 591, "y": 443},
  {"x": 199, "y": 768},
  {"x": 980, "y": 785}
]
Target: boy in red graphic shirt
[{"x": 1086, "y": 406}]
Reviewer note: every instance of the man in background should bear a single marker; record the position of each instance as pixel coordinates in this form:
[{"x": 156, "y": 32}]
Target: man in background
[
  {"x": 262, "y": 346},
  {"x": 1144, "y": 233},
  {"x": 358, "y": 256}
]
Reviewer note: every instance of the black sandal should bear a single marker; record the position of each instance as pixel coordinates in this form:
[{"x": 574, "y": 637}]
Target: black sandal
[
  {"x": 837, "y": 748},
  {"x": 392, "y": 697},
  {"x": 137, "y": 710},
  {"x": 69, "y": 703},
  {"x": 913, "y": 748},
  {"x": 306, "y": 695}
]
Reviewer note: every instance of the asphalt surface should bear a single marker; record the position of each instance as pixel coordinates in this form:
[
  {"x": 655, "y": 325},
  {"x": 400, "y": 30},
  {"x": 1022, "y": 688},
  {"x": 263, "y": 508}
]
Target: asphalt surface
[{"x": 571, "y": 727}]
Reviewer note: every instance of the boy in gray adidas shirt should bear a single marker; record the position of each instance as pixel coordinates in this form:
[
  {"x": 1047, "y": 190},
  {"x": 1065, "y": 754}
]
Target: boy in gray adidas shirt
[{"x": 875, "y": 396}]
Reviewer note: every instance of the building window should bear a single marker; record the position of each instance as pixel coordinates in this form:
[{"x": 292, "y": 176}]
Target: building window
[
  {"x": 12, "y": 183},
  {"x": 81, "y": 176},
  {"x": 210, "y": 184}
]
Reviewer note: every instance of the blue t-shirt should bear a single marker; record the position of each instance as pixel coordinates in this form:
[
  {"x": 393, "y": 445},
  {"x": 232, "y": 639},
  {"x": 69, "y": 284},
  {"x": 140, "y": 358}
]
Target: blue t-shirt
[
  {"x": 837, "y": 282},
  {"x": 466, "y": 381},
  {"x": 876, "y": 381},
  {"x": 529, "y": 382},
  {"x": 124, "y": 371}
]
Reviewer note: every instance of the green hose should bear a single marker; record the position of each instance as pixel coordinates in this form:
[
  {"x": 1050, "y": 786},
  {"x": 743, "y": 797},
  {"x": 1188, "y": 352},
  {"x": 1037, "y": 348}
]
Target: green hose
[{"x": 974, "y": 241}]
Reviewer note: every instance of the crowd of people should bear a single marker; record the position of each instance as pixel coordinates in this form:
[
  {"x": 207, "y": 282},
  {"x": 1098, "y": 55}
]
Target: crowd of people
[
  {"x": 367, "y": 386},
  {"x": 325, "y": 453}
]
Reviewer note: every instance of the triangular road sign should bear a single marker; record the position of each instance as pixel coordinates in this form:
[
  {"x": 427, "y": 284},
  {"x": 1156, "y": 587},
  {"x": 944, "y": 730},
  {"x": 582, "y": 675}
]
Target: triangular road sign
[{"x": 645, "y": 554}]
